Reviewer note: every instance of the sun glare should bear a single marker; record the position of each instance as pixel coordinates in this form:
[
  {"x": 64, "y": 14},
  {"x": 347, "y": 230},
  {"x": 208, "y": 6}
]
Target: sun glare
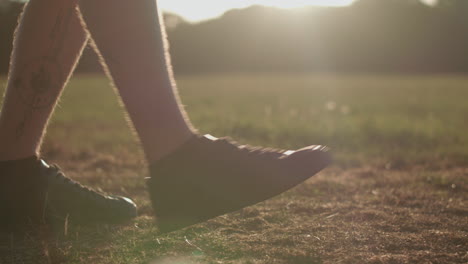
[
  {"x": 205, "y": 9},
  {"x": 302, "y": 3}
]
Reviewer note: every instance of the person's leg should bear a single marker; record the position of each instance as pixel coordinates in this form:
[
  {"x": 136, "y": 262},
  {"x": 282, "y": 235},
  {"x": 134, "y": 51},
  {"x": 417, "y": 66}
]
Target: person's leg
[
  {"x": 45, "y": 51},
  {"x": 131, "y": 39},
  {"x": 47, "y": 45},
  {"x": 193, "y": 178}
]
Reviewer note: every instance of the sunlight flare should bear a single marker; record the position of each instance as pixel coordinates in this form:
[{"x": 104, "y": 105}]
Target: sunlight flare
[{"x": 205, "y": 9}]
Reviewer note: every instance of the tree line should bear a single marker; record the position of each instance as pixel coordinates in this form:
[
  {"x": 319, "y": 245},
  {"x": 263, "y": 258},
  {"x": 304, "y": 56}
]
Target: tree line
[{"x": 396, "y": 36}]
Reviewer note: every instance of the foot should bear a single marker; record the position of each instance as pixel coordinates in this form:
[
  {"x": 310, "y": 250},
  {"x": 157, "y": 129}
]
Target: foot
[
  {"x": 33, "y": 193},
  {"x": 22, "y": 195},
  {"x": 67, "y": 199},
  {"x": 207, "y": 177}
]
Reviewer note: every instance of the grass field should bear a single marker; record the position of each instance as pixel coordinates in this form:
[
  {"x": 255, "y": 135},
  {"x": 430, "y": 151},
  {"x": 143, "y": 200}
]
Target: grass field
[{"x": 397, "y": 192}]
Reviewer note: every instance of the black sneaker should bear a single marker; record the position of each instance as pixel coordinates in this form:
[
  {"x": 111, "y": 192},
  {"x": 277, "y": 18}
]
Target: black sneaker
[
  {"x": 67, "y": 199},
  {"x": 33, "y": 193},
  {"x": 22, "y": 195},
  {"x": 208, "y": 177}
]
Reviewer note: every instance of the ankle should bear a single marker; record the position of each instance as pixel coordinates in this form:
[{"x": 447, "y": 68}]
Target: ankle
[
  {"x": 10, "y": 153},
  {"x": 23, "y": 191},
  {"x": 18, "y": 161},
  {"x": 14, "y": 148},
  {"x": 166, "y": 145}
]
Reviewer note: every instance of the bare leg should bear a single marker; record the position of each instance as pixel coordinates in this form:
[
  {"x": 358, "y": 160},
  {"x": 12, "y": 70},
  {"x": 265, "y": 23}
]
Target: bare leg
[
  {"x": 204, "y": 176},
  {"x": 48, "y": 43},
  {"x": 131, "y": 39}
]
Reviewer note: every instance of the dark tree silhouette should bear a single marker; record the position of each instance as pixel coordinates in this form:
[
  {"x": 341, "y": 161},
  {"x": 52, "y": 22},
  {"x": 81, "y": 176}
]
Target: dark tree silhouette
[{"x": 403, "y": 36}]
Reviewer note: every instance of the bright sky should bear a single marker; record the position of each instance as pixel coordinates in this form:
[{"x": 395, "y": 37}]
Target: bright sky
[{"x": 196, "y": 10}]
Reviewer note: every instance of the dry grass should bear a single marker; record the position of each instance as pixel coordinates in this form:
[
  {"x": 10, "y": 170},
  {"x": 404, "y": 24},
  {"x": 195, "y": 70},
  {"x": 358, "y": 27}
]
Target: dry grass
[
  {"x": 361, "y": 215},
  {"x": 393, "y": 208}
]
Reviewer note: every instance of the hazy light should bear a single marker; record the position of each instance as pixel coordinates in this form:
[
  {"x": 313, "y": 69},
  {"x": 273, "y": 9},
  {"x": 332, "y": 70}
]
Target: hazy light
[
  {"x": 430, "y": 2},
  {"x": 205, "y": 9}
]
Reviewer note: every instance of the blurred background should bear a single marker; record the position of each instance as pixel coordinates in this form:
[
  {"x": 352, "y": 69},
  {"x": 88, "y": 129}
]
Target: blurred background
[
  {"x": 397, "y": 36},
  {"x": 380, "y": 81}
]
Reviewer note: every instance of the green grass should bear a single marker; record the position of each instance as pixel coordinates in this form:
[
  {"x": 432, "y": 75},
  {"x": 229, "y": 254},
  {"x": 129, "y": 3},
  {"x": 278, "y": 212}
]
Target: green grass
[
  {"x": 396, "y": 193},
  {"x": 380, "y": 118}
]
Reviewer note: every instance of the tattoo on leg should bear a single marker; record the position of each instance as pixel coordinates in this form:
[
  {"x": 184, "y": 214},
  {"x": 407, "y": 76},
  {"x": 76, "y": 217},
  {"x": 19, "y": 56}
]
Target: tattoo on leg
[
  {"x": 40, "y": 88},
  {"x": 21, "y": 126},
  {"x": 37, "y": 91},
  {"x": 56, "y": 27},
  {"x": 59, "y": 32}
]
